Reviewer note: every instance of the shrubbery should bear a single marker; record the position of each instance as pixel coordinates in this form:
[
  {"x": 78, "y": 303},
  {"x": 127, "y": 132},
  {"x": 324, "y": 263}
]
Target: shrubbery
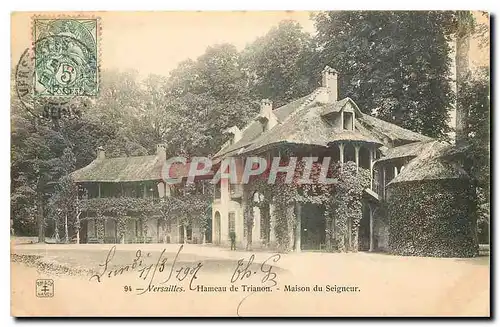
[{"x": 432, "y": 218}]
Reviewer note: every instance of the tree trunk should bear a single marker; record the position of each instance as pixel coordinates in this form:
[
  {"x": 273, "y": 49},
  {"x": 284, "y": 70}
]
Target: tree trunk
[
  {"x": 462, "y": 70},
  {"x": 185, "y": 233},
  {"x": 40, "y": 221},
  {"x": 298, "y": 226},
  {"x": 78, "y": 227},
  {"x": 66, "y": 228},
  {"x": 56, "y": 228}
]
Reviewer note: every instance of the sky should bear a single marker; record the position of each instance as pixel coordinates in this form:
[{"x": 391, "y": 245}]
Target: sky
[{"x": 156, "y": 42}]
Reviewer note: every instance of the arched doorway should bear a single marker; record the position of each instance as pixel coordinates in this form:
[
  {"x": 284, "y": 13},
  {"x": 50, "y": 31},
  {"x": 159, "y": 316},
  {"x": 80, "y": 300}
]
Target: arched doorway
[{"x": 217, "y": 228}]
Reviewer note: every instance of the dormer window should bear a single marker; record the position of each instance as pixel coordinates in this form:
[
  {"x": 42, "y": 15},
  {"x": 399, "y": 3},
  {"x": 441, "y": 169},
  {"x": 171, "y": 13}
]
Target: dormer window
[{"x": 348, "y": 121}]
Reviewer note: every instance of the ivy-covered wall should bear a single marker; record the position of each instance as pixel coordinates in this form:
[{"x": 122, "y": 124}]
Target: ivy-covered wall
[{"x": 432, "y": 218}]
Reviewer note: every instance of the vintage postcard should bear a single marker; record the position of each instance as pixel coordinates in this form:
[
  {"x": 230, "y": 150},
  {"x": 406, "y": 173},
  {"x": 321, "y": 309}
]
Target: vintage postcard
[{"x": 253, "y": 164}]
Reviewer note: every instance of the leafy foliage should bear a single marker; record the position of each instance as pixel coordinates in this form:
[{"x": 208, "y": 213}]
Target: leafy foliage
[
  {"x": 475, "y": 100},
  {"x": 346, "y": 207},
  {"x": 432, "y": 218},
  {"x": 395, "y": 64},
  {"x": 277, "y": 64},
  {"x": 342, "y": 200}
]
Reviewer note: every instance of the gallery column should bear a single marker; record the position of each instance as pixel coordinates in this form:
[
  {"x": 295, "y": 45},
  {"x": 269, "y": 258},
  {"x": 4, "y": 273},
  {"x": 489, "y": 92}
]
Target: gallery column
[
  {"x": 341, "y": 148},
  {"x": 383, "y": 182},
  {"x": 298, "y": 230},
  {"x": 371, "y": 168},
  {"x": 244, "y": 218},
  {"x": 356, "y": 155},
  {"x": 272, "y": 225}
]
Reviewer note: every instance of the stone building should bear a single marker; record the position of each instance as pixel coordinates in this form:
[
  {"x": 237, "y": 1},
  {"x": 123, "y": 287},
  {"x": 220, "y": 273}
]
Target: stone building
[
  {"x": 121, "y": 200},
  {"x": 319, "y": 124}
]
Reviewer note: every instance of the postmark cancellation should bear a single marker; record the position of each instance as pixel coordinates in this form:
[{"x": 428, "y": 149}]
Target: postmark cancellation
[{"x": 66, "y": 55}]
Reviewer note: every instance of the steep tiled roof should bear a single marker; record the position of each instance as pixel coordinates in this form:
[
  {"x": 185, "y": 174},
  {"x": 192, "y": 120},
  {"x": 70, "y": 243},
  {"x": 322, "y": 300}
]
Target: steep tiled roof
[
  {"x": 306, "y": 126},
  {"x": 406, "y": 151},
  {"x": 382, "y": 129},
  {"x": 254, "y": 128},
  {"x": 123, "y": 169},
  {"x": 431, "y": 165},
  {"x": 304, "y": 121}
]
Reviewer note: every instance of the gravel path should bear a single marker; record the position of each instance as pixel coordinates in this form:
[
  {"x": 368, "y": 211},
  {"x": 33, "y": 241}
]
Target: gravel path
[{"x": 384, "y": 284}]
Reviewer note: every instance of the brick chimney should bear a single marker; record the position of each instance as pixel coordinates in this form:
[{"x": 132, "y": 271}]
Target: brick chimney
[
  {"x": 266, "y": 115},
  {"x": 101, "y": 154},
  {"x": 161, "y": 152},
  {"x": 329, "y": 81}
]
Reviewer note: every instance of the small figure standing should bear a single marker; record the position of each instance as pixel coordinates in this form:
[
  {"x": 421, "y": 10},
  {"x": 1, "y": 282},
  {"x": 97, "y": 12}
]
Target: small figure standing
[{"x": 232, "y": 236}]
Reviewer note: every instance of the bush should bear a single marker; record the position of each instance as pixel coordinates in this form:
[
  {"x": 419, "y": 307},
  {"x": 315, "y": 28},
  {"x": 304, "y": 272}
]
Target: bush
[{"x": 432, "y": 218}]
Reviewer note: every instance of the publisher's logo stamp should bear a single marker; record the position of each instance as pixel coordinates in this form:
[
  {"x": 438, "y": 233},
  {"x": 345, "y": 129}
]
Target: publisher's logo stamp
[{"x": 44, "y": 288}]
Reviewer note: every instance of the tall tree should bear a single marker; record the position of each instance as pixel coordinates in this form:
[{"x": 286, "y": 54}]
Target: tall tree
[
  {"x": 205, "y": 97},
  {"x": 36, "y": 148},
  {"x": 395, "y": 64},
  {"x": 465, "y": 26},
  {"x": 474, "y": 98},
  {"x": 63, "y": 200},
  {"x": 277, "y": 64}
]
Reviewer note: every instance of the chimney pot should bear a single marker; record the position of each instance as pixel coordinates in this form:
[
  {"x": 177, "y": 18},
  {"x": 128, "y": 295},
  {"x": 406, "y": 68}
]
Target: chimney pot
[
  {"x": 161, "y": 152},
  {"x": 101, "y": 154},
  {"x": 266, "y": 116},
  {"x": 329, "y": 81},
  {"x": 266, "y": 107}
]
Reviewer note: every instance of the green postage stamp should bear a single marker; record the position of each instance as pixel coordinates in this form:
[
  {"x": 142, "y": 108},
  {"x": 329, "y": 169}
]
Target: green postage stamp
[{"x": 66, "y": 57}]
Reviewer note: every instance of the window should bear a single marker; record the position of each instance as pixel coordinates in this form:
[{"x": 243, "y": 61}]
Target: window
[
  {"x": 217, "y": 190},
  {"x": 232, "y": 222},
  {"x": 348, "y": 121}
]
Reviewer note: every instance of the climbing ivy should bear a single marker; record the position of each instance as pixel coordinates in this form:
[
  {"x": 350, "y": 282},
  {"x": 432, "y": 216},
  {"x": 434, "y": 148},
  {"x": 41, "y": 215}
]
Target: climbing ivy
[
  {"x": 188, "y": 208},
  {"x": 100, "y": 227},
  {"x": 342, "y": 200},
  {"x": 121, "y": 227},
  {"x": 432, "y": 218},
  {"x": 346, "y": 206}
]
